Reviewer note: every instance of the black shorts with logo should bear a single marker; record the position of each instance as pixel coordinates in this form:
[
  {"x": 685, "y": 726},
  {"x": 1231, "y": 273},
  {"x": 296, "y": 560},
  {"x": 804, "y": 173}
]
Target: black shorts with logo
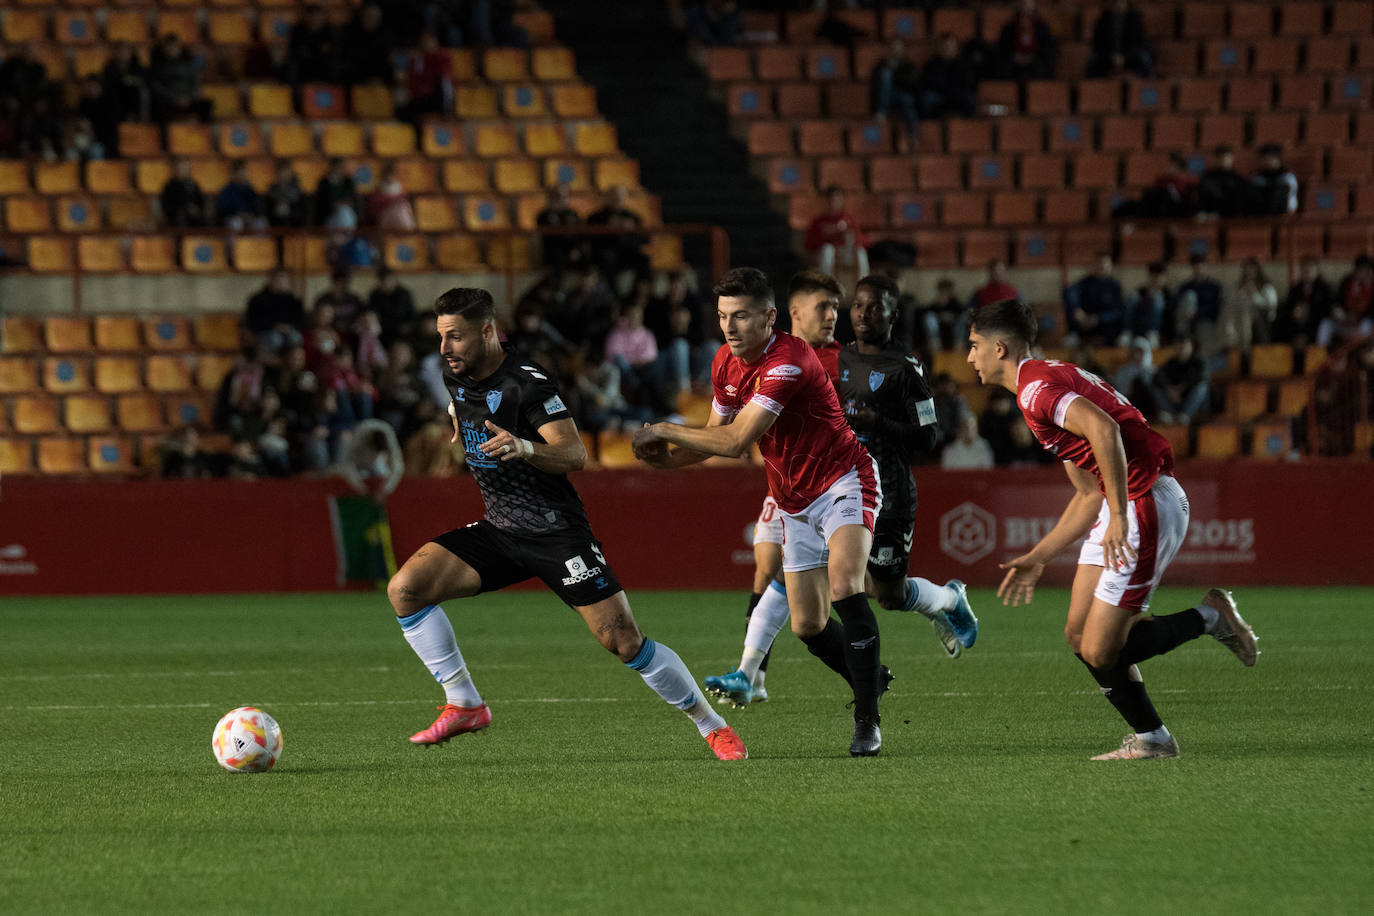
[
  {"x": 891, "y": 552},
  {"x": 569, "y": 561}
]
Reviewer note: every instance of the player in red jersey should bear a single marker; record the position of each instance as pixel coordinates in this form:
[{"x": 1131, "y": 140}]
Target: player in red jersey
[
  {"x": 769, "y": 387},
  {"x": 1129, "y": 505}
]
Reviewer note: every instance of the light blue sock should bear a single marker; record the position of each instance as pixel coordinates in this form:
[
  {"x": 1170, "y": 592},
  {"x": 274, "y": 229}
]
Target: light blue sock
[
  {"x": 431, "y": 636},
  {"x": 668, "y": 677}
]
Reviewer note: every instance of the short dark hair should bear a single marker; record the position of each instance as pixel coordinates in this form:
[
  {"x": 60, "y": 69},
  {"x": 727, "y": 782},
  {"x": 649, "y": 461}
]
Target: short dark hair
[
  {"x": 1010, "y": 317},
  {"x": 340, "y": 273},
  {"x": 813, "y": 281},
  {"x": 886, "y": 288},
  {"x": 467, "y": 303},
  {"x": 746, "y": 283}
]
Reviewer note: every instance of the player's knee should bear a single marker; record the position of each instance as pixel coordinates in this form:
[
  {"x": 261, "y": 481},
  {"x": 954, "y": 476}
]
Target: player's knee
[
  {"x": 1074, "y": 638},
  {"x": 1099, "y": 656},
  {"x": 623, "y": 645},
  {"x": 845, "y": 589},
  {"x": 805, "y": 629},
  {"x": 405, "y": 594}
]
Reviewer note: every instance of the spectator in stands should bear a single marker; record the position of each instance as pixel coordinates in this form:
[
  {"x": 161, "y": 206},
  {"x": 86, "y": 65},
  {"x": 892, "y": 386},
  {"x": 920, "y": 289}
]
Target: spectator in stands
[
  {"x": 125, "y": 84},
  {"x": 79, "y": 142},
  {"x": 370, "y": 352},
  {"x": 389, "y": 206},
  {"x": 1173, "y": 194},
  {"x": 631, "y": 346},
  {"x": 1026, "y": 451},
  {"x": 604, "y": 404},
  {"x": 1199, "y": 308},
  {"x": 1274, "y": 189},
  {"x": 714, "y": 22},
  {"x": 835, "y": 237},
  {"x": 1180, "y": 385},
  {"x": 995, "y": 289},
  {"x": 241, "y": 389},
  {"x": 894, "y": 86},
  {"x": 274, "y": 447},
  {"x": 1082, "y": 355},
  {"x": 939, "y": 323},
  {"x": 1222, "y": 191},
  {"x": 174, "y": 75},
  {"x": 1150, "y": 312},
  {"x": 275, "y": 315},
  {"x": 344, "y": 304},
  {"x": 1135, "y": 379},
  {"x": 398, "y": 388},
  {"x": 238, "y": 206},
  {"x": 492, "y": 22},
  {"x": 28, "y": 104},
  {"x": 367, "y": 47},
  {"x": 586, "y": 315},
  {"x": 1306, "y": 306},
  {"x": 429, "y": 81},
  {"x": 286, "y": 203},
  {"x": 969, "y": 451},
  {"x": 534, "y": 337},
  {"x": 948, "y": 84},
  {"x": 1094, "y": 307},
  {"x": 1249, "y": 312},
  {"x": 950, "y": 406},
  {"x": 356, "y": 396},
  {"x": 1120, "y": 45},
  {"x": 1351, "y": 315},
  {"x": 1027, "y": 46},
  {"x": 393, "y": 305},
  {"x": 182, "y": 200},
  {"x": 678, "y": 320},
  {"x": 315, "y": 53},
  {"x": 101, "y": 113},
  {"x": 616, "y": 254},
  {"x": 561, "y": 251},
  {"x": 996, "y": 422},
  {"x": 336, "y": 187},
  {"x": 182, "y": 457}
]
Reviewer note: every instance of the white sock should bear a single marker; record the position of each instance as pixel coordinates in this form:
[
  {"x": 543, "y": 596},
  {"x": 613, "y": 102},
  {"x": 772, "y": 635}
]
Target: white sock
[
  {"x": 768, "y": 618},
  {"x": 927, "y": 598},
  {"x": 666, "y": 674},
  {"x": 431, "y": 636},
  {"x": 1158, "y": 736},
  {"x": 1209, "y": 617}
]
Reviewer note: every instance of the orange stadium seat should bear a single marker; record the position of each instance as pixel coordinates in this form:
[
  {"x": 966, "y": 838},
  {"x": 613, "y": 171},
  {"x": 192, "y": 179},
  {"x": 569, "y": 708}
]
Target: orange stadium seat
[
  {"x": 1095, "y": 170},
  {"x": 225, "y": 100},
  {"x": 27, "y": 214},
  {"x": 966, "y": 135},
  {"x": 18, "y": 374},
  {"x": 35, "y": 414},
  {"x": 168, "y": 373},
  {"x": 474, "y": 102},
  {"x": 979, "y": 246},
  {"x": 776, "y": 63},
  {"x": 51, "y": 254},
  {"x": 240, "y": 139},
  {"x": 1276, "y": 55},
  {"x": 110, "y": 454},
  {"x": 905, "y": 24},
  {"x": 108, "y": 176},
  {"x": 1271, "y": 441},
  {"x": 403, "y": 253},
  {"x": 988, "y": 172},
  {"x": 1352, "y": 17},
  {"x": 912, "y": 210},
  {"x": 826, "y": 63},
  {"x": 118, "y": 374},
  {"x": 216, "y": 331},
  {"x": 1177, "y": 133},
  {"x": 322, "y": 102},
  {"x": 768, "y": 138},
  {"x": 596, "y": 138},
  {"x": 939, "y": 172},
  {"x": 1042, "y": 171},
  {"x": 211, "y": 368},
  {"x": 1099, "y": 96},
  {"x": 845, "y": 98},
  {"x": 185, "y": 24},
  {"x": 544, "y": 139},
  {"x": 557, "y": 65},
  {"x": 964, "y": 208},
  {"x": 1271, "y": 361},
  {"x": 1302, "y": 18},
  {"x": 458, "y": 253},
  {"x": 1047, "y": 97},
  {"x": 229, "y": 28},
  {"x": 1142, "y": 245},
  {"x": 1246, "y": 400},
  {"x": 1249, "y": 93},
  {"x": 189, "y": 409},
  {"x": 1036, "y": 248},
  {"x": 20, "y": 334},
  {"x": 1070, "y": 134},
  {"x": 493, "y": 140},
  {"x": 820, "y": 138},
  {"x": 86, "y": 413},
  {"x": 482, "y": 213},
  {"x": 371, "y": 103},
  {"x": 1251, "y": 20},
  {"x": 435, "y": 213},
  {"x": 1221, "y": 129},
  {"x": 67, "y": 334},
  {"x": 1293, "y": 395},
  {"x": 1065, "y": 207},
  {"x": 464, "y": 65},
  {"x": 77, "y": 213},
  {"x": 574, "y": 173},
  {"x": 268, "y": 100},
  {"x": 203, "y": 253},
  {"x": 842, "y": 172},
  {"x": 1225, "y": 55},
  {"x": 1302, "y": 92},
  {"x": 150, "y": 175},
  {"x": 1020, "y": 135},
  {"x": 891, "y": 173},
  {"x": 117, "y": 333},
  {"x": 516, "y": 175},
  {"x": 574, "y": 101},
  {"x": 438, "y": 139},
  {"x": 16, "y": 455},
  {"x": 23, "y": 25},
  {"x": 1147, "y": 97},
  {"x": 14, "y": 176},
  {"x": 1122, "y": 133},
  {"x": 291, "y": 139},
  {"x": 799, "y": 100},
  {"x": 1143, "y": 167},
  {"x": 1014, "y": 208},
  {"x": 861, "y": 139},
  {"x": 129, "y": 26},
  {"x": 1279, "y": 127},
  {"x": 254, "y": 253},
  {"x": 1250, "y": 242},
  {"x": 612, "y": 171},
  {"x": 153, "y": 254},
  {"x": 57, "y": 177},
  {"x": 463, "y": 175},
  {"x": 304, "y": 254},
  {"x": 505, "y": 64},
  {"x": 521, "y": 100},
  {"x": 169, "y": 332},
  {"x": 342, "y": 138},
  {"x": 391, "y": 140},
  {"x": 61, "y": 455}
]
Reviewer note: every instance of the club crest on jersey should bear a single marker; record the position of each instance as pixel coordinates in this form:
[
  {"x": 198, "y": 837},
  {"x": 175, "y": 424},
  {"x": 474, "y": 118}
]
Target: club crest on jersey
[
  {"x": 493, "y": 400},
  {"x": 844, "y": 375},
  {"x": 786, "y": 370},
  {"x": 459, "y": 395},
  {"x": 1029, "y": 392},
  {"x": 875, "y": 380}
]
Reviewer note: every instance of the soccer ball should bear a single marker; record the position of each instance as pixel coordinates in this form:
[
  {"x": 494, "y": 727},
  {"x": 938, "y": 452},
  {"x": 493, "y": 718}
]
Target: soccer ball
[{"x": 247, "y": 740}]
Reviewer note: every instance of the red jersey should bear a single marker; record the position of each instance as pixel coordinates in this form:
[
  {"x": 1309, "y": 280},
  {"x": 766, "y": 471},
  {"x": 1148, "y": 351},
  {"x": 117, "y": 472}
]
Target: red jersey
[
  {"x": 829, "y": 355},
  {"x": 1045, "y": 389},
  {"x": 810, "y": 445}
]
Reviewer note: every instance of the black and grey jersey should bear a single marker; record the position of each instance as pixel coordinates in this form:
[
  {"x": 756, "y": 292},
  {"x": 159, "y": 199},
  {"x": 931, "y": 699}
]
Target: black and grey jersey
[
  {"x": 894, "y": 385},
  {"x": 520, "y": 398}
]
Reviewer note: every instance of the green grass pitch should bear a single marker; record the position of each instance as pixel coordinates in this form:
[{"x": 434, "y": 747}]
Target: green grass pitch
[{"x": 589, "y": 795}]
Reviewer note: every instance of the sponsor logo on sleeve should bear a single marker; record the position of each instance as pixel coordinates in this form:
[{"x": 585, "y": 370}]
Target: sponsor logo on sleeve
[
  {"x": 1028, "y": 394},
  {"x": 925, "y": 411},
  {"x": 784, "y": 371},
  {"x": 554, "y": 405}
]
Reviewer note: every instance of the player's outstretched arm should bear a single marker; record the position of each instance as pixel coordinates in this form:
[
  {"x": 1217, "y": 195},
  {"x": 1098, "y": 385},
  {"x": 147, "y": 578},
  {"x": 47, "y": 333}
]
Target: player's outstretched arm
[
  {"x": 561, "y": 451},
  {"x": 658, "y": 453},
  {"x": 1018, "y": 586},
  {"x": 730, "y": 440}
]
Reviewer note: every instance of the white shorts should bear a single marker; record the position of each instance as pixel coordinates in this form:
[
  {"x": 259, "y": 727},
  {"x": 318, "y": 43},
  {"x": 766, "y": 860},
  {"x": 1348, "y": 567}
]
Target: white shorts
[
  {"x": 854, "y": 499},
  {"x": 768, "y": 529},
  {"x": 1157, "y": 525}
]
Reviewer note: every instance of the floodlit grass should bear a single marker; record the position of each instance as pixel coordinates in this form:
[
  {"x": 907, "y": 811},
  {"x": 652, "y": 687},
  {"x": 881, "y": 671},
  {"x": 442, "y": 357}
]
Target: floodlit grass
[{"x": 589, "y": 795}]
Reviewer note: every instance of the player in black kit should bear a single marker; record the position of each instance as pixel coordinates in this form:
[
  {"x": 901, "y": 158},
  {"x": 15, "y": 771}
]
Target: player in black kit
[
  {"x": 888, "y": 402},
  {"x": 520, "y": 442}
]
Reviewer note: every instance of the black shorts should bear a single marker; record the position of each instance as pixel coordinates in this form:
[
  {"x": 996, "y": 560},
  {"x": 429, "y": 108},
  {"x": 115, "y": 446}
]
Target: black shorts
[
  {"x": 891, "y": 552},
  {"x": 569, "y": 562}
]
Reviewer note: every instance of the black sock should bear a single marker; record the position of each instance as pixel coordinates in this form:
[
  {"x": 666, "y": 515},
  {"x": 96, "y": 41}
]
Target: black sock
[
  {"x": 1156, "y": 635},
  {"x": 1127, "y": 695},
  {"x": 828, "y": 645},
  {"x": 753, "y": 603},
  {"x": 862, "y": 647}
]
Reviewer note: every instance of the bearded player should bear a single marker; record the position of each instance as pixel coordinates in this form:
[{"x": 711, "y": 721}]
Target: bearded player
[
  {"x": 769, "y": 387},
  {"x": 520, "y": 443},
  {"x": 1129, "y": 505},
  {"x": 889, "y": 405}
]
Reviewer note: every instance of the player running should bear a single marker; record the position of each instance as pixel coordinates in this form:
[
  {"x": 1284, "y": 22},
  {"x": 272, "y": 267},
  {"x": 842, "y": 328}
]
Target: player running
[
  {"x": 889, "y": 405},
  {"x": 520, "y": 442},
  {"x": 1129, "y": 505},
  {"x": 770, "y": 388}
]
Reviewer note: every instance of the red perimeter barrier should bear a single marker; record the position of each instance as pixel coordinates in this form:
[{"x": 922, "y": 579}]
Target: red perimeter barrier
[{"x": 1252, "y": 524}]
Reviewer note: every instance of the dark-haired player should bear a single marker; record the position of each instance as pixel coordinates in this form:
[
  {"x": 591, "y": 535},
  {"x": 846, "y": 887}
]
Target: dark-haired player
[
  {"x": 770, "y": 388},
  {"x": 890, "y": 408},
  {"x": 1129, "y": 505},
  {"x": 520, "y": 443}
]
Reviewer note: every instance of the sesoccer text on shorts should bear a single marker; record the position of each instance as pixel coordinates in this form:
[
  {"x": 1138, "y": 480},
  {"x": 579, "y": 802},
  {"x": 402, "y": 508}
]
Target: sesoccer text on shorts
[
  {"x": 1157, "y": 525},
  {"x": 890, "y": 555},
  {"x": 768, "y": 529},
  {"x": 854, "y": 499},
  {"x": 569, "y": 562}
]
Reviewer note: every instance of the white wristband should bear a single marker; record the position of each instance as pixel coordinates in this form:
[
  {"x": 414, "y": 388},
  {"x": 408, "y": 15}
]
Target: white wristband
[{"x": 524, "y": 448}]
